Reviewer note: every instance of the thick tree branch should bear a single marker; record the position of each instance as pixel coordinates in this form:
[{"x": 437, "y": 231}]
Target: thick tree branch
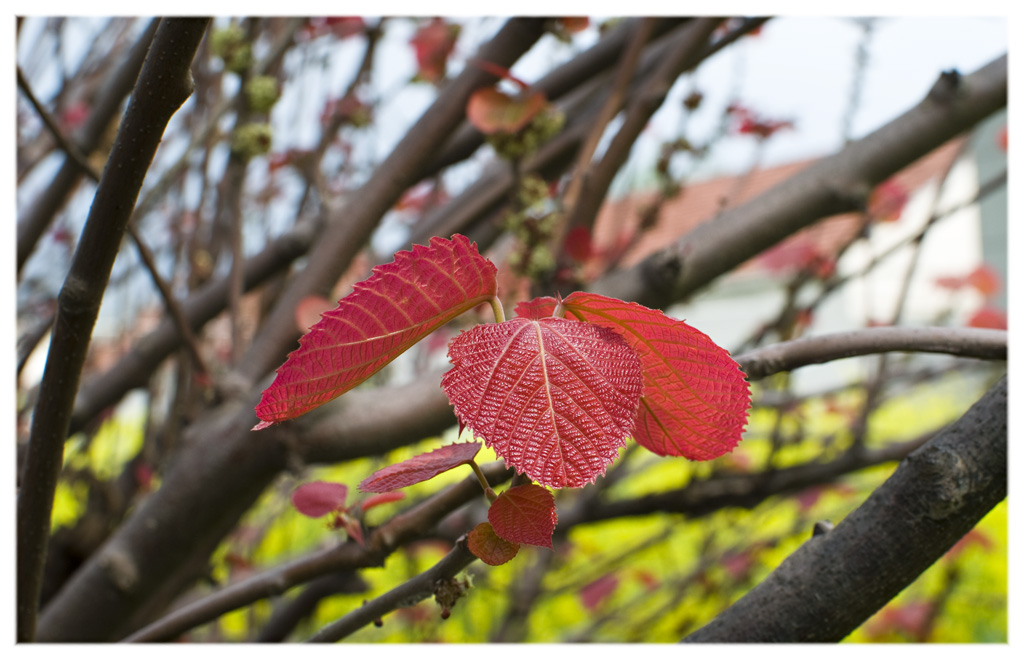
[
  {"x": 836, "y": 580},
  {"x": 836, "y": 184},
  {"x": 163, "y": 85}
]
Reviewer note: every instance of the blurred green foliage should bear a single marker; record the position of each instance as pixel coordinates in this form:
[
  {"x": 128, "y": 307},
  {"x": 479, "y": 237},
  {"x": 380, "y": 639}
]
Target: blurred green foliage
[{"x": 650, "y": 578}]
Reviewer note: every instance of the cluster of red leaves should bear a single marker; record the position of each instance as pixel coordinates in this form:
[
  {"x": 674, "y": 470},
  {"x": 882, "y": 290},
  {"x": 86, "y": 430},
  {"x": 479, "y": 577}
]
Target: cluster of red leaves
[
  {"x": 748, "y": 122},
  {"x": 556, "y": 397},
  {"x": 433, "y": 44}
]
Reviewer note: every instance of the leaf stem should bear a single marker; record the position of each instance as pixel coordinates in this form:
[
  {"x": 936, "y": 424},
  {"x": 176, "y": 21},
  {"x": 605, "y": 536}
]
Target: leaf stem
[
  {"x": 499, "y": 311},
  {"x": 488, "y": 491}
]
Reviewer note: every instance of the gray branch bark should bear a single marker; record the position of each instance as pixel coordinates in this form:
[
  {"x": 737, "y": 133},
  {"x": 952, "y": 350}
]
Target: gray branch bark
[
  {"x": 834, "y": 185},
  {"x": 163, "y": 85},
  {"x": 835, "y": 581}
]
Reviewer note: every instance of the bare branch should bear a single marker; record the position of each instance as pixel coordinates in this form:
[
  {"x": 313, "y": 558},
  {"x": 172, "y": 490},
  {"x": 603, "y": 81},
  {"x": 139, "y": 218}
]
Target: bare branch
[
  {"x": 834, "y": 185},
  {"x": 820, "y": 592},
  {"x": 163, "y": 85},
  {"x": 961, "y": 342}
]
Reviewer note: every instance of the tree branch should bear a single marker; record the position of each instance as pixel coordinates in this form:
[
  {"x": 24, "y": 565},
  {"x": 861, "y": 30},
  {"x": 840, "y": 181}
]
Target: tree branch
[
  {"x": 163, "y": 85},
  {"x": 400, "y": 530},
  {"x": 406, "y": 594},
  {"x": 836, "y": 184},
  {"x": 977, "y": 343},
  {"x": 836, "y": 580}
]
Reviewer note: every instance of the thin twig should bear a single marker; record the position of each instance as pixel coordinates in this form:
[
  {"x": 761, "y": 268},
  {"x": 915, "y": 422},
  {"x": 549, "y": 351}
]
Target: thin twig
[
  {"x": 976, "y": 343},
  {"x": 405, "y": 595}
]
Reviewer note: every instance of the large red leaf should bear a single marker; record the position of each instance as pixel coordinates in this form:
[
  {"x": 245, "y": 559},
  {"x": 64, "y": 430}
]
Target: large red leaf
[
  {"x": 695, "y": 395},
  {"x": 399, "y": 304},
  {"x": 524, "y": 514},
  {"x": 489, "y": 547},
  {"x": 420, "y": 468},
  {"x": 555, "y": 398}
]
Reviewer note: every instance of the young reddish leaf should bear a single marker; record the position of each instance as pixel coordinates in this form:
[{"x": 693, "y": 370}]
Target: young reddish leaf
[
  {"x": 382, "y": 498},
  {"x": 420, "y": 468},
  {"x": 401, "y": 303},
  {"x": 524, "y": 514},
  {"x": 887, "y": 201},
  {"x": 695, "y": 396},
  {"x": 984, "y": 279},
  {"x": 578, "y": 244},
  {"x": 491, "y": 111},
  {"x": 538, "y": 308},
  {"x": 309, "y": 310},
  {"x": 433, "y": 43},
  {"x": 988, "y": 317},
  {"x": 352, "y": 527},
  {"x": 574, "y": 24},
  {"x": 319, "y": 498},
  {"x": 595, "y": 593},
  {"x": 555, "y": 398},
  {"x": 489, "y": 547}
]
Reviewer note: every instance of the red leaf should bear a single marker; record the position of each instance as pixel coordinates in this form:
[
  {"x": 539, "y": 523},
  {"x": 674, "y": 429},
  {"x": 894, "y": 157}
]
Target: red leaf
[
  {"x": 695, "y": 395},
  {"x": 555, "y": 398},
  {"x": 401, "y": 303},
  {"x": 524, "y": 514},
  {"x": 578, "y": 245},
  {"x": 491, "y": 111},
  {"x": 984, "y": 279},
  {"x": 319, "y": 498},
  {"x": 489, "y": 547},
  {"x": 433, "y": 44},
  {"x": 595, "y": 593},
  {"x": 574, "y": 24},
  {"x": 383, "y": 498},
  {"x": 309, "y": 310},
  {"x": 538, "y": 308},
  {"x": 887, "y": 201},
  {"x": 988, "y": 317},
  {"x": 420, "y": 468}
]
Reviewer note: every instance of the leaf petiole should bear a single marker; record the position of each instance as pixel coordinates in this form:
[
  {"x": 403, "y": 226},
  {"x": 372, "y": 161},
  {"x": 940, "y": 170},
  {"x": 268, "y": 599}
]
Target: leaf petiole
[
  {"x": 488, "y": 491},
  {"x": 499, "y": 311}
]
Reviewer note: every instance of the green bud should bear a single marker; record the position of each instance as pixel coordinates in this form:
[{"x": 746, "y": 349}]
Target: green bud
[
  {"x": 230, "y": 45},
  {"x": 252, "y": 140},
  {"x": 262, "y": 93}
]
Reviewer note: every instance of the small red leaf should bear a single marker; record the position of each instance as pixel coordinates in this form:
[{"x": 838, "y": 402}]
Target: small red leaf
[
  {"x": 382, "y": 498},
  {"x": 595, "y": 593},
  {"x": 538, "y": 308},
  {"x": 555, "y": 398},
  {"x": 401, "y": 303},
  {"x": 988, "y": 317},
  {"x": 319, "y": 498},
  {"x": 491, "y": 111},
  {"x": 489, "y": 547},
  {"x": 695, "y": 395},
  {"x": 433, "y": 43},
  {"x": 984, "y": 279},
  {"x": 309, "y": 310},
  {"x": 420, "y": 468},
  {"x": 887, "y": 201},
  {"x": 524, "y": 514}
]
